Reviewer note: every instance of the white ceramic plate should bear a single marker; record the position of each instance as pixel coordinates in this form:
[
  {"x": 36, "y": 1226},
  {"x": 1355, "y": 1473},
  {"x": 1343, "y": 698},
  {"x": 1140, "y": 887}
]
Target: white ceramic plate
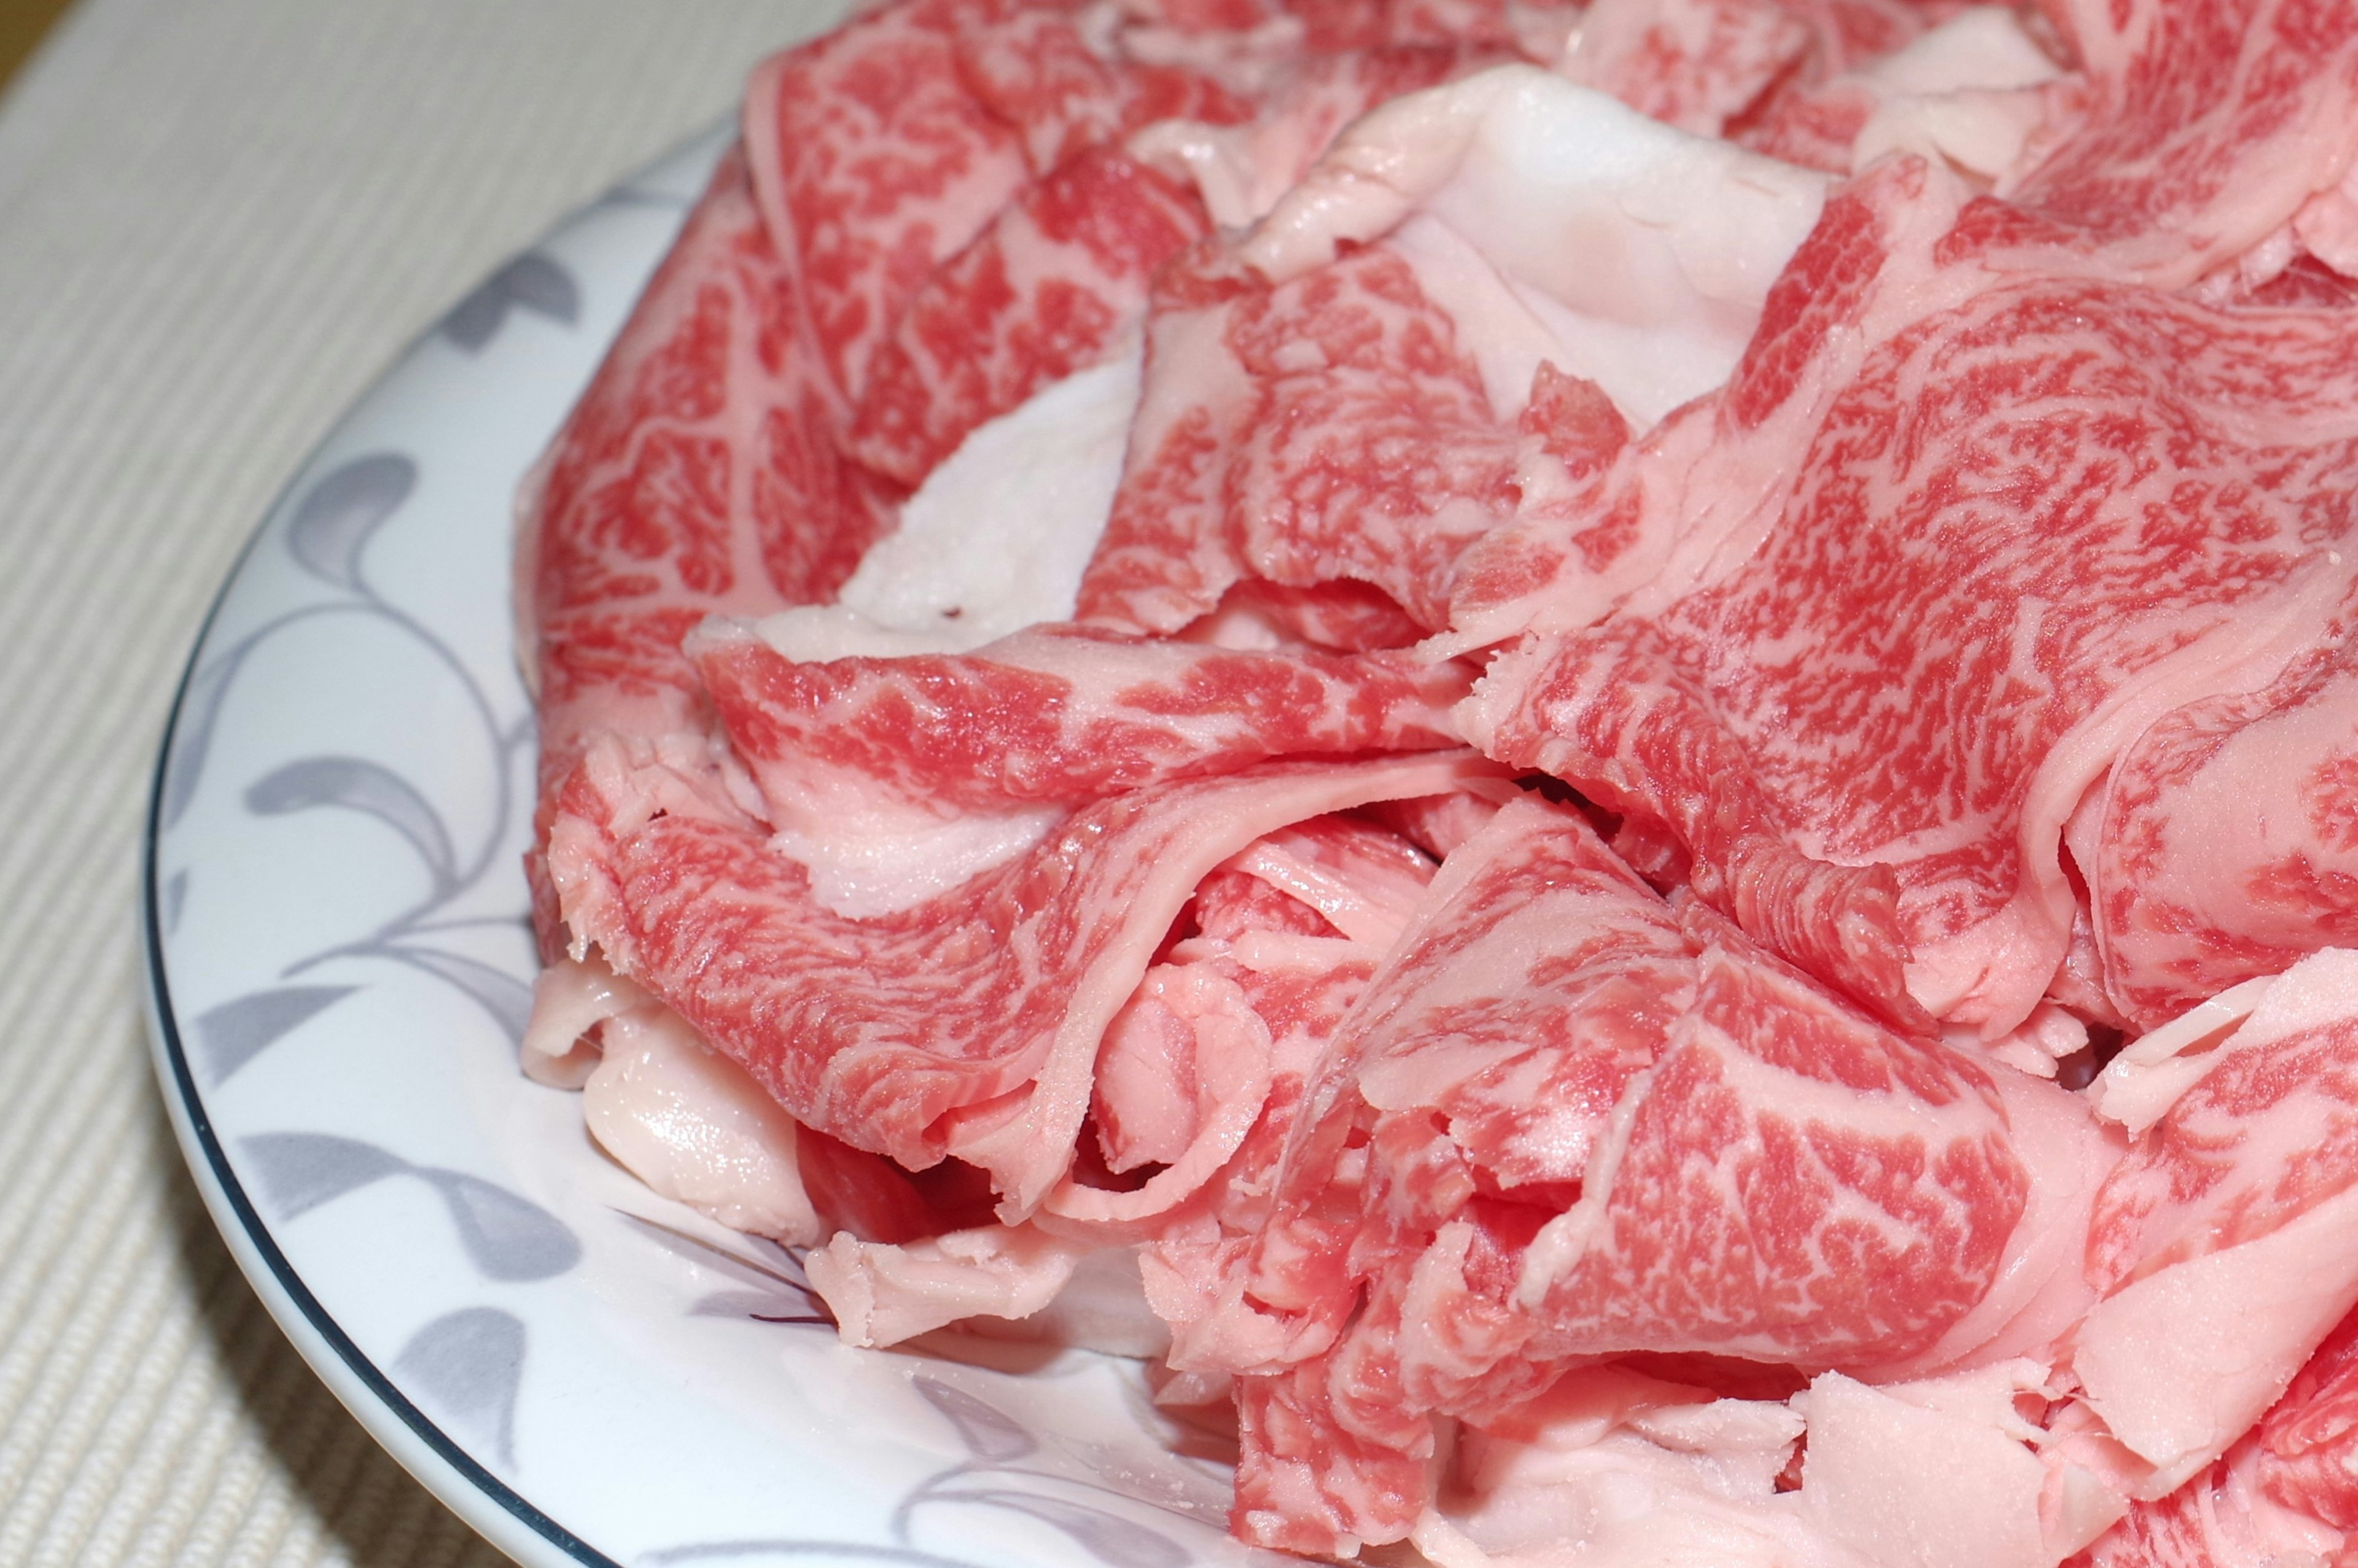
[{"x": 340, "y": 966}]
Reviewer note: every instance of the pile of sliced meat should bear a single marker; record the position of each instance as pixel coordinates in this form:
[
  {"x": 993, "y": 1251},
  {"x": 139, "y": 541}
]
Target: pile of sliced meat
[{"x": 1606, "y": 759}]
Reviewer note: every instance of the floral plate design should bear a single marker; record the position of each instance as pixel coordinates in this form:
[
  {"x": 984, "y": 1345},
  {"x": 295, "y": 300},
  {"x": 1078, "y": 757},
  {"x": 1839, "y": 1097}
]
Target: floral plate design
[{"x": 341, "y": 967}]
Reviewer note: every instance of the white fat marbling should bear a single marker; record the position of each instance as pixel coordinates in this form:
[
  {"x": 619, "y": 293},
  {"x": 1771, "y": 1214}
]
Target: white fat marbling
[
  {"x": 692, "y": 1125},
  {"x": 996, "y": 538},
  {"x": 1642, "y": 254}
]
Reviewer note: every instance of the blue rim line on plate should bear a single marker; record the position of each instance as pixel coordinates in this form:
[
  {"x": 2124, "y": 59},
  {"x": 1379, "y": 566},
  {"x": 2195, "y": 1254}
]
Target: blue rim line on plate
[{"x": 242, "y": 1224}]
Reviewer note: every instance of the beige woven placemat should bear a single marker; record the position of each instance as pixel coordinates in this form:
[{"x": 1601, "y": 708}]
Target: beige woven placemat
[{"x": 219, "y": 220}]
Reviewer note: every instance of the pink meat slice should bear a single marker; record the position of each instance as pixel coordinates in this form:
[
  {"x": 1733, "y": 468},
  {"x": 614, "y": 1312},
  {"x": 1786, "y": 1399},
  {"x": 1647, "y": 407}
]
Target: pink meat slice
[
  {"x": 2229, "y": 843},
  {"x": 1641, "y": 521},
  {"x": 1894, "y": 662},
  {"x": 2220, "y": 1246},
  {"x": 1254, "y": 994},
  {"x": 2285, "y": 1491},
  {"x": 1068, "y": 83},
  {"x": 1056, "y": 713},
  {"x": 875, "y": 161},
  {"x": 1588, "y": 1125},
  {"x": 2308, "y": 1440},
  {"x": 1329, "y": 427},
  {"x": 1340, "y": 25},
  {"x": 1694, "y": 64},
  {"x": 694, "y": 477},
  {"x": 1868, "y": 1222},
  {"x": 1612, "y": 710},
  {"x": 2268, "y": 1133},
  {"x": 1043, "y": 292},
  {"x": 2194, "y": 129},
  {"x": 966, "y": 1026}
]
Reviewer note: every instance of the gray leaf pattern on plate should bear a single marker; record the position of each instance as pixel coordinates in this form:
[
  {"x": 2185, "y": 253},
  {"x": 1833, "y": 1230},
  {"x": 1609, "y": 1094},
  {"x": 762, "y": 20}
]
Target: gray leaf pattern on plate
[
  {"x": 358, "y": 784},
  {"x": 988, "y": 1432},
  {"x": 505, "y": 1236},
  {"x": 231, "y": 1036},
  {"x": 531, "y": 282},
  {"x": 465, "y": 1367},
  {"x": 777, "y": 1296},
  {"x": 507, "y": 999},
  {"x": 334, "y": 520}
]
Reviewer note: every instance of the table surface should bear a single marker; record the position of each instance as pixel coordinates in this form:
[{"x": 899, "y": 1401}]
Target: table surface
[{"x": 218, "y": 221}]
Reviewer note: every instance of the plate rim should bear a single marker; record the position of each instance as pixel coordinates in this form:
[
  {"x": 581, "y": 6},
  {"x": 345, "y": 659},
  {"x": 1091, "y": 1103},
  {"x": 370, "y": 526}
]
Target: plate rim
[
  {"x": 490, "y": 1506},
  {"x": 430, "y": 1455}
]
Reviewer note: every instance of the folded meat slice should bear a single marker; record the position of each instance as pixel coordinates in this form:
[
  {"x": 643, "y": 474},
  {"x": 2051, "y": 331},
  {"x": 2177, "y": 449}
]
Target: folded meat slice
[
  {"x": 1890, "y": 657},
  {"x": 1553, "y": 222},
  {"x": 2285, "y": 1492},
  {"x": 2223, "y": 1244},
  {"x": 966, "y": 1026},
  {"x": 695, "y": 477},
  {"x": 891, "y": 778},
  {"x": 1195, "y": 1087},
  {"x": 1328, "y": 427},
  {"x": 1566, "y": 1122},
  {"x": 2191, "y": 131},
  {"x": 1613, "y": 709},
  {"x": 1691, "y": 497},
  {"x": 2227, "y": 846}
]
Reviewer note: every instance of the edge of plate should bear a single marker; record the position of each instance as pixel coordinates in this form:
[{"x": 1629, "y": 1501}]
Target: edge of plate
[
  {"x": 436, "y": 1460},
  {"x": 431, "y": 1455}
]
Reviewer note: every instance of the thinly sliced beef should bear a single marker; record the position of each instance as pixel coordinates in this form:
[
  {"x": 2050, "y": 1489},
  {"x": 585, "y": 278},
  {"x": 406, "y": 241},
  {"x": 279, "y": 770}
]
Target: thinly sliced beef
[
  {"x": 875, "y": 161},
  {"x": 1196, "y": 1085},
  {"x": 1045, "y": 291},
  {"x": 1613, "y": 711},
  {"x": 1893, "y": 660},
  {"x": 1053, "y": 714},
  {"x": 1929, "y": 627},
  {"x": 1694, "y": 64},
  {"x": 2192, "y": 131},
  {"x": 966, "y": 1026},
  {"x": 2229, "y": 842},
  {"x": 2223, "y": 1244},
  {"x": 1325, "y": 429},
  {"x": 1585, "y": 1126},
  {"x": 694, "y": 477}
]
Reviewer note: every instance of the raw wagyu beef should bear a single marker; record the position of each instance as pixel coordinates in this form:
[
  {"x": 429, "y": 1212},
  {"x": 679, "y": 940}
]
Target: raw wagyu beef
[{"x": 1605, "y": 759}]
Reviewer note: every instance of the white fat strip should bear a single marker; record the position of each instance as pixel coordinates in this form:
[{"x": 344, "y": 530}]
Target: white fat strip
[
  {"x": 1620, "y": 1471},
  {"x": 1965, "y": 92},
  {"x": 570, "y": 997},
  {"x": 1645, "y": 254},
  {"x": 1347, "y": 905},
  {"x": 694, "y": 1127},
  {"x": 870, "y": 863},
  {"x": 1036, "y": 484},
  {"x": 2181, "y": 1362},
  {"x": 2137, "y": 1087},
  {"x": 997, "y": 538},
  {"x": 1926, "y": 1484},
  {"x": 882, "y": 1294}
]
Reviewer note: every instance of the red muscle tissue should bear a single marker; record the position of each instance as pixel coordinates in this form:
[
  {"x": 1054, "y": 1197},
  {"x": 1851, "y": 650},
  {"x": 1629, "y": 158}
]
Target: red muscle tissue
[{"x": 1671, "y": 867}]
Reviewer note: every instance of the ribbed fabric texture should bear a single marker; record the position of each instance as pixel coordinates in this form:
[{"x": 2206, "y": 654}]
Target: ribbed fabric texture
[{"x": 218, "y": 221}]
